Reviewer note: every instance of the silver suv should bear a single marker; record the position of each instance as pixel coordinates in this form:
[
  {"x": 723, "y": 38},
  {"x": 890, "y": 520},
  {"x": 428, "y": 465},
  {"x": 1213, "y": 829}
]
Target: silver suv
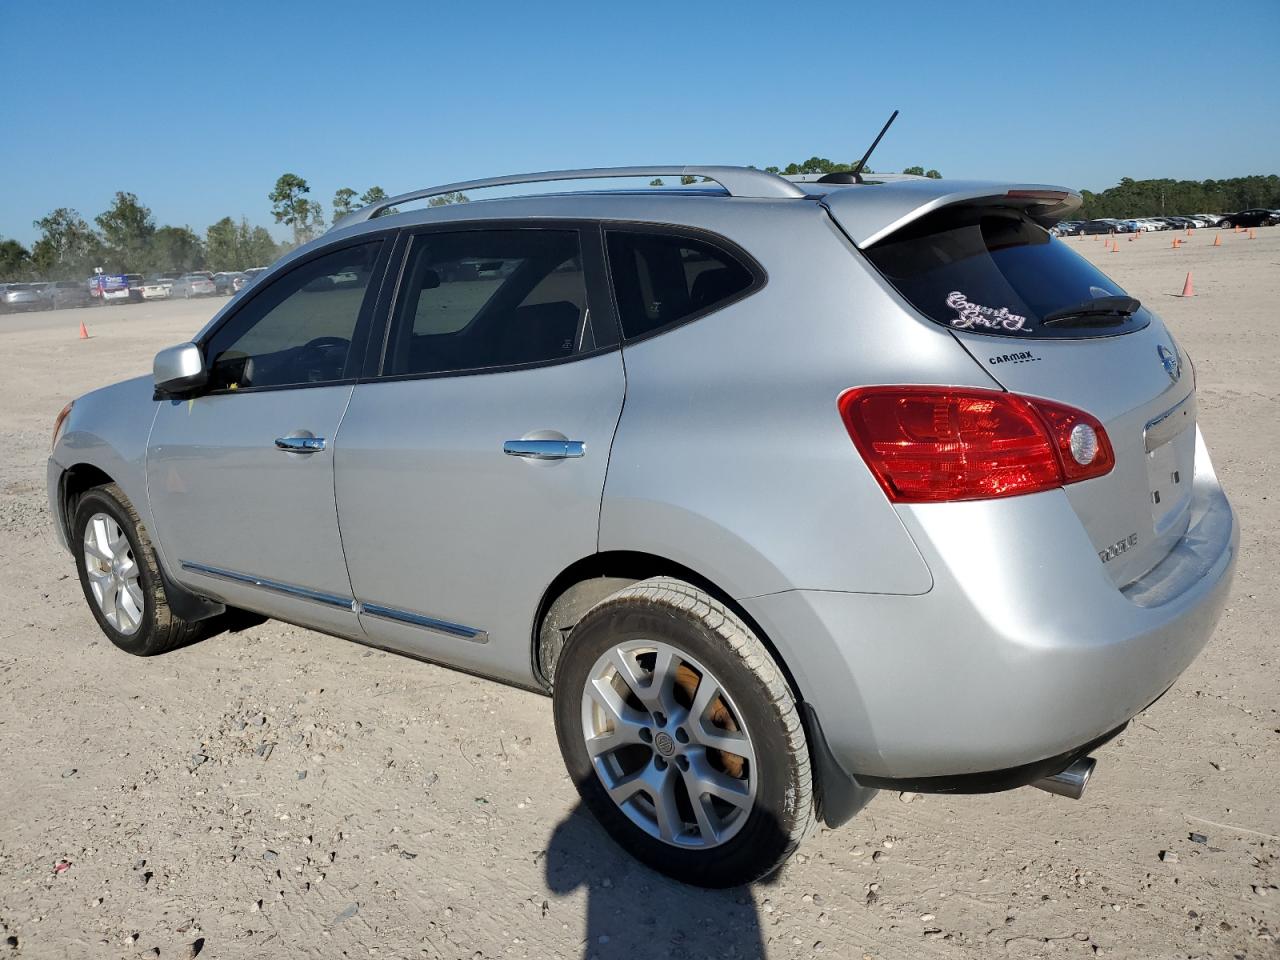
[{"x": 785, "y": 491}]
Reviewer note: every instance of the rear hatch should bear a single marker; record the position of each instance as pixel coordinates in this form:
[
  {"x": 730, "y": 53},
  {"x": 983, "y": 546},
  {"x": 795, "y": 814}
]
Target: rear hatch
[{"x": 1044, "y": 322}]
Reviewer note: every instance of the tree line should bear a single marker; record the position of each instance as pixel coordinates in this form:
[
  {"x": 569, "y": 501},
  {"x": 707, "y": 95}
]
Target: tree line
[
  {"x": 291, "y": 205},
  {"x": 126, "y": 239},
  {"x": 824, "y": 166},
  {"x": 1154, "y": 198}
]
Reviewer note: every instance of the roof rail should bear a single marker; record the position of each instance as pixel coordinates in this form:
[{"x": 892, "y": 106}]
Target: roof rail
[{"x": 737, "y": 182}]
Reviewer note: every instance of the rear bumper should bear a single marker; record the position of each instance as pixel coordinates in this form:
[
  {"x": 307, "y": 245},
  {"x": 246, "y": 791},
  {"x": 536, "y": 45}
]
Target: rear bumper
[{"x": 1023, "y": 651}]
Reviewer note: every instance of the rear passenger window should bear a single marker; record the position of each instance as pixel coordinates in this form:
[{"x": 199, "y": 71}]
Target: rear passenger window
[
  {"x": 660, "y": 279},
  {"x": 478, "y": 299}
]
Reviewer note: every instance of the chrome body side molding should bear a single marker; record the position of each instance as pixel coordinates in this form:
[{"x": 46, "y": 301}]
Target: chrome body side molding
[
  {"x": 434, "y": 624},
  {"x": 275, "y": 586},
  {"x": 427, "y": 623}
]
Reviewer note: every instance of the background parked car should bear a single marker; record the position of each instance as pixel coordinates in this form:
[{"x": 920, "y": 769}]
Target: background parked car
[
  {"x": 193, "y": 285},
  {"x": 225, "y": 282},
  {"x": 1092, "y": 227},
  {"x": 1254, "y": 217},
  {"x": 22, "y": 297},
  {"x": 67, "y": 293},
  {"x": 156, "y": 288}
]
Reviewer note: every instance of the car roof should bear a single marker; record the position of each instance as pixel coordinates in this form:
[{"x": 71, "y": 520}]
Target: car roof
[{"x": 867, "y": 211}]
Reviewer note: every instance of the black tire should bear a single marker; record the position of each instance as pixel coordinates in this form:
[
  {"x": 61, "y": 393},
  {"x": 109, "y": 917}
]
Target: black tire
[
  {"x": 677, "y": 614},
  {"x": 159, "y": 630},
  {"x": 1225, "y": 224}
]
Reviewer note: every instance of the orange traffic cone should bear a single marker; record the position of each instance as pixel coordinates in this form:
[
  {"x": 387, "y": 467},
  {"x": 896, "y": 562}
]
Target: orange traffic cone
[
  {"x": 1188, "y": 290},
  {"x": 1217, "y": 241},
  {"x": 1175, "y": 243},
  {"x": 1188, "y": 231},
  {"x": 1251, "y": 234},
  {"x": 1115, "y": 246},
  {"x": 84, "y": 333},
  {"x": 1237, "y": 228}
]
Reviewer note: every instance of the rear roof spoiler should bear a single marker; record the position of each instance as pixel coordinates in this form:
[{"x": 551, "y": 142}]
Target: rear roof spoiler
[{"x": 871, "y": 212}]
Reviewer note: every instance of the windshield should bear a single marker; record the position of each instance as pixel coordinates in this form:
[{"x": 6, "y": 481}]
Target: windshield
[{"x": 996, "y": 272}]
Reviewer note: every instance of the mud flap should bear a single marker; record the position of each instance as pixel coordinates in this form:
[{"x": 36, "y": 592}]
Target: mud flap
[{"x": 839, "y": 796}]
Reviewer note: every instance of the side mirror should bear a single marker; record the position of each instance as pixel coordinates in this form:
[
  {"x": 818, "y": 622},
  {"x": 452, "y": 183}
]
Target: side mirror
[{"x": 179, "y": 369}]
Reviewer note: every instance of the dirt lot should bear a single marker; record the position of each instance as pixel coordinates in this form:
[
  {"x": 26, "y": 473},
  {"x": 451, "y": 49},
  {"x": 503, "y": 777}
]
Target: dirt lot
[{"x": 403, "y": 810}]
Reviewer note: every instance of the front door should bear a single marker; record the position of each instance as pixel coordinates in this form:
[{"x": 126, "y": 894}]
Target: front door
[
  {"x": 240, "y": 478},
  {"x": 469, "y": 473}
]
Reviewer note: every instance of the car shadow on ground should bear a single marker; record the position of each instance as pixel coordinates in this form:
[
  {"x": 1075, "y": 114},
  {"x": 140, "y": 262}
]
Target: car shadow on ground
[
  {"x": 634, "y": 913},
  {"x": 232, "y": 620}
]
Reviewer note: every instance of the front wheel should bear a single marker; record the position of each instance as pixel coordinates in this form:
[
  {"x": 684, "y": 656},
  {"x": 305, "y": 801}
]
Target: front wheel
[
  {"x": 682, "y": 735},
  {"x": 1225, "y": 224},
  {"x": 120, "y": 576}
]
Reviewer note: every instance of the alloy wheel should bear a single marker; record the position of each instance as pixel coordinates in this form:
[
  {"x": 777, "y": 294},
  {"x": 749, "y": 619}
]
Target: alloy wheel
[
  {"x": 113, "y": 573},
  {"x": 668, "y": 744}
]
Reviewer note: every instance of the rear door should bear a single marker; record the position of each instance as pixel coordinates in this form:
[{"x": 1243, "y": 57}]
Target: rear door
[
  {"x": 470, "y": 467},
  {"x": 996, "y": 279}
]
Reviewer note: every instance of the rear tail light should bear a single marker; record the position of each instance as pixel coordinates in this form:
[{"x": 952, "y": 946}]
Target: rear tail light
[{"x": 935, "y": 444}]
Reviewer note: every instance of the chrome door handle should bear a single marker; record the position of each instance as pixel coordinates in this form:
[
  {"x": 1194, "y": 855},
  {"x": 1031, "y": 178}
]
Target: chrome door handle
[
  {"x": 544, "y": 449},
  {"x": 300, "y": 444}
]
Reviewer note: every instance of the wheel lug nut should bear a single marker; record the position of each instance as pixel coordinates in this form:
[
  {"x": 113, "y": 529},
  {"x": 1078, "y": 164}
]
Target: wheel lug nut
[
  {"x": 683, "y": 762},
  {"x": 660, "y": 719},
  {"x": 646, "y": 734},
  {"x": 682, "y": 734},
  {"x": 659, "y": 763}
]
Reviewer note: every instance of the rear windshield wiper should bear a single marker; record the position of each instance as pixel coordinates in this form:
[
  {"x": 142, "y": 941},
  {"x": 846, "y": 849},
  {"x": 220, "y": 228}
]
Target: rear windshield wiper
[{"x": 1100, "y": 311}]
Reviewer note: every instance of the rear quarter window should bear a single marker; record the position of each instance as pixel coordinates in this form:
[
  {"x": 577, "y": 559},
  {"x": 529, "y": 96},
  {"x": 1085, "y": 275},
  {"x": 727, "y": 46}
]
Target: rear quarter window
[
  {"x": 661, "y": 279},
  {"x": 995, "y": 272}
]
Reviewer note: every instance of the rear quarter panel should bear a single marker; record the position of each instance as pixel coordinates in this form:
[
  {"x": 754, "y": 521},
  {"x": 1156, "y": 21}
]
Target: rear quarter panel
[{"x": 731, "y": 457}]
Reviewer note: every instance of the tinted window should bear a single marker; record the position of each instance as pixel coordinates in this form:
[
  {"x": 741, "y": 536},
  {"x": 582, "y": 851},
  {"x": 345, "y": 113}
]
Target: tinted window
[
  {"x": 478, "y": 299},
  {"x": 660, "y": 279},
  {"x": 298, "y": 328},
  {"x": 995, "y": 272}
]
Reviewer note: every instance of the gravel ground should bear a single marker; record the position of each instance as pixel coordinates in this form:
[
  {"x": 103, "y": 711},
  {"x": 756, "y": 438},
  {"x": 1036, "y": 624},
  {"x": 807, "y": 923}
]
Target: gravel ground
[{"x": 274, "y": 792}]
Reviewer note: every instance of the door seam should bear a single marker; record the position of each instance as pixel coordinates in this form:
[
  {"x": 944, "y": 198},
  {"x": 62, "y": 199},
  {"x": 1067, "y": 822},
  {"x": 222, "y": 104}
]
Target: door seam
[
  {"x": 613, "y": 436},
  {"x": 337, "y": 514}
]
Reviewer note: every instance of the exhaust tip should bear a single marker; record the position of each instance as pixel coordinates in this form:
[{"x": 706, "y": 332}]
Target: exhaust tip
[{"x": 1071, "y": 782}]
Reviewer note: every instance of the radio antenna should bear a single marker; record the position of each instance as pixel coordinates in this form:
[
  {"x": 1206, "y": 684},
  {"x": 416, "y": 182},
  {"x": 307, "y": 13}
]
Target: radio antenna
[{"x": 857, "y": 170}]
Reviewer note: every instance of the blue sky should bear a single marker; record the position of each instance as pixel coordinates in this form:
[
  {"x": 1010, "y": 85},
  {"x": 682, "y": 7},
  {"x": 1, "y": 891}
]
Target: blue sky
[{"x": 198, "y": 108}]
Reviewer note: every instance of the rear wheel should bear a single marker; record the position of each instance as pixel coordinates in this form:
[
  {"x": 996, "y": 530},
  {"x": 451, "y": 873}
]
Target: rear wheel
[
  {"x": 121, "y": 578},
  {"x": 682, "y": 735}
]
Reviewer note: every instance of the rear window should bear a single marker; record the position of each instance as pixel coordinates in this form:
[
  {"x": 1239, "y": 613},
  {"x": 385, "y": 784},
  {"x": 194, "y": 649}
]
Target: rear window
[{"x": 996, "y": 272}]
